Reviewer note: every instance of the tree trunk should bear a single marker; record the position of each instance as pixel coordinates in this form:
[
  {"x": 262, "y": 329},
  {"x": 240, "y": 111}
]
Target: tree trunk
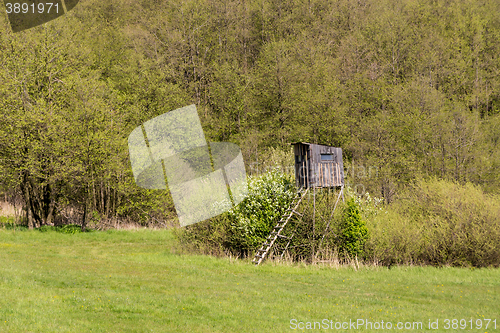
[{"x": 84, "y": 219}]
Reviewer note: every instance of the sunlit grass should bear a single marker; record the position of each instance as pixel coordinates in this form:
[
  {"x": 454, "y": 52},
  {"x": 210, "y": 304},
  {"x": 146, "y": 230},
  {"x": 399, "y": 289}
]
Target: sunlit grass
[{"x": 133, "y": 281}]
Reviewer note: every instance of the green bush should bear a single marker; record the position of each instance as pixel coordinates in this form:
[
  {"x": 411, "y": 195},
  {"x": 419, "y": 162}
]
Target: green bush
[
  {"x": 244, "y": 228},
  {"x": 353, "y": 230},
  {"x": 65, "y": 229},
  {"x": 268, "y": 197},
  {"x": 439, "y": 223}
]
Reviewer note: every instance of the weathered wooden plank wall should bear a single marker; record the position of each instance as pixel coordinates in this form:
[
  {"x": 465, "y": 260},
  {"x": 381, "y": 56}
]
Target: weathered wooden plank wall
[{"x": 311, "y": 169}]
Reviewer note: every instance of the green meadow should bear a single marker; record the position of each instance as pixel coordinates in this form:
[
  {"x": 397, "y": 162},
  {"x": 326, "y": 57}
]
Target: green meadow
[{"x": 138, "y": 281}]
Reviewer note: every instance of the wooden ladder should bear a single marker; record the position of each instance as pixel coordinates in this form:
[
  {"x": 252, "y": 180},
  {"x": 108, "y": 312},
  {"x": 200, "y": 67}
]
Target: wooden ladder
[{"x": 271, "y": 239}]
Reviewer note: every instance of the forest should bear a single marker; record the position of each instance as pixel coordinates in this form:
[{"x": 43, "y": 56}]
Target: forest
[{"x": 409, "y": 89}]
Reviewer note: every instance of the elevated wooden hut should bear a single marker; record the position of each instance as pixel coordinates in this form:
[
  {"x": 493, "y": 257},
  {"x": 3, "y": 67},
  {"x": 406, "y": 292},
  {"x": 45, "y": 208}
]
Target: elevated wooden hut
[{"x": 318, "y": 165}]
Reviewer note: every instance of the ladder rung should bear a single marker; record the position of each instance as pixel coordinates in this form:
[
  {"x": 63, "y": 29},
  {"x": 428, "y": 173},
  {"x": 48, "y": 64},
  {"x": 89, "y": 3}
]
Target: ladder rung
[
  {"x": 293, "y": 211},
  {"x": 284, "y": 237}
]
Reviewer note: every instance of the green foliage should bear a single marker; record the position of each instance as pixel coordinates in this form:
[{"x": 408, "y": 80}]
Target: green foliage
[
  {"x": 369, "y": 206},
  {"x": 268, "y": 197},
  {"x": 440, "y": 223},
  {"x": 409, "y": 88},
  {"x": 9, "y": 223},
  {"x": 354, "y": 233},
  {"x": 65, "y": 229},
  {"x": 244, "y": 228},
  {"x": 145, "y": 206},
  {"x": 5, "y": 220}
]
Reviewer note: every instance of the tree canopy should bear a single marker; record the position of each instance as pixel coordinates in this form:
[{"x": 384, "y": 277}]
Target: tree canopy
[{"x": 408, "y": 87}]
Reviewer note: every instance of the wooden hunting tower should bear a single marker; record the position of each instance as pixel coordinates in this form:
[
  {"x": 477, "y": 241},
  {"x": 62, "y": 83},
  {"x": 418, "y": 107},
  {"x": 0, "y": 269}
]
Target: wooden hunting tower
[{"x": 318, "y": 165}]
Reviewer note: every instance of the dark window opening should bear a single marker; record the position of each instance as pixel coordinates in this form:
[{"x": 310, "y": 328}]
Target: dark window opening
[{"x": 327, "y": 157}]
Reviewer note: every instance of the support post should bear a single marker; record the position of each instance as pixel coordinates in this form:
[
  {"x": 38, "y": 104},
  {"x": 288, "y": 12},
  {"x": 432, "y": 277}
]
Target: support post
[{"x": 314, "y": 222}]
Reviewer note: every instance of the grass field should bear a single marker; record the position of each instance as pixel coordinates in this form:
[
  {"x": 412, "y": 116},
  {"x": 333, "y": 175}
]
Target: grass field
[{"x": 133, "y": 281}]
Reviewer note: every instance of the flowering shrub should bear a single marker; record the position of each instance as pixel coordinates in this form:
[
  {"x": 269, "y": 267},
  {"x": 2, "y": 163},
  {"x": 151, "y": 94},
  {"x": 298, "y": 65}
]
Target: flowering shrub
[
  {"x": 244, "y": 228},
  {"x": 269, "y": 195},
  {"x": 369, "y": 206}
]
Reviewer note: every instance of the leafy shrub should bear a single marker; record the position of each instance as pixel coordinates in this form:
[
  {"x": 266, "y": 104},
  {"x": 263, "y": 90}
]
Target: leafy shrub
[
  {"x": 252, "y": 220},
  {"x": 9, "y": 222},
  {"x": 369, "y": 206},
  {"x": 143, "y": 206},
  {"x": 353, "y": 230},
  {"x": 438, "y": 222},
  {"x": 245, "y": 227}
]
